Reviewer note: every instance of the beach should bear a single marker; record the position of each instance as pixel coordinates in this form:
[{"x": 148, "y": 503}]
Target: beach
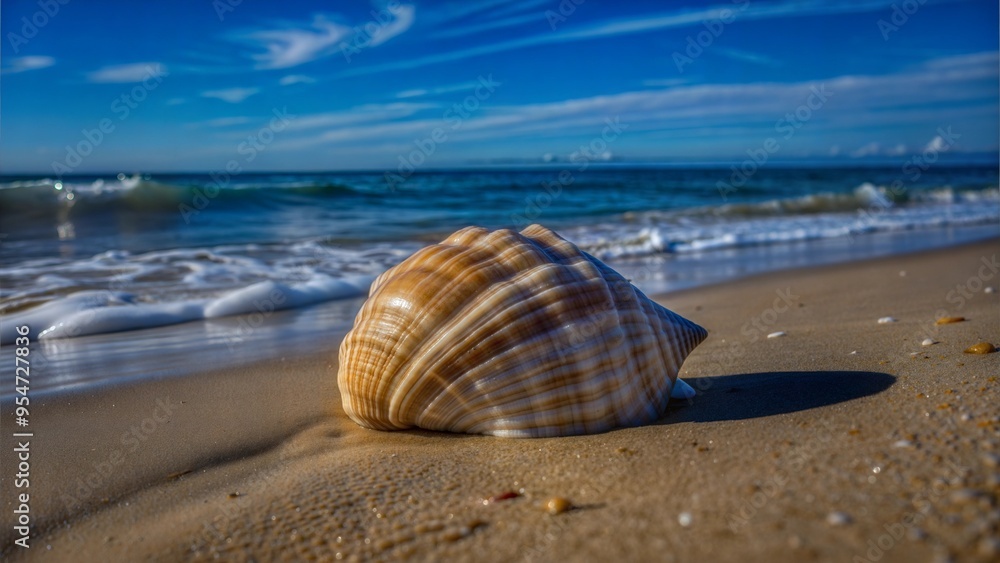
[{"x": 843, "y": 439}]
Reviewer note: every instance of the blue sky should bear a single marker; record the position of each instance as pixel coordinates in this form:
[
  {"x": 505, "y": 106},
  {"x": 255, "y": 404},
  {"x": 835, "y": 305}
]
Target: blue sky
[{"x": 191, "y": 85}]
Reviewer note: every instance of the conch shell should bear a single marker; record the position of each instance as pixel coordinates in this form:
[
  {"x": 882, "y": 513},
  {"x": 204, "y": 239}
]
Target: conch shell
[{"x": 511, "y": 334}]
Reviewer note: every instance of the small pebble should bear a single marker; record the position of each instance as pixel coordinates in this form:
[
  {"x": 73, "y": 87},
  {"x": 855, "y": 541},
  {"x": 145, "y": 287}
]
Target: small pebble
[
  {"x": 684, "y": 519},
  {"x": 949, "y": 320},
  {"x": 981, "y": 348},
  {"x": 886, "y": 320},
  {"x": 853, "y": 353},
  {"x": 990, "y": 289},
  {"x": 928, "y": 342},
  {"x": 557, "y": 505},
  {"x": 777, "y": 334},
  {"x": 838, "y": 519},
  {"x": 903, "y": 444}
]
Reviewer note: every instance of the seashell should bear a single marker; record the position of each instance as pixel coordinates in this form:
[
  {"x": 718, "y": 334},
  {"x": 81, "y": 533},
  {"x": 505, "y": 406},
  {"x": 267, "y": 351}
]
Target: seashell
[
  {"x": 886, "y": 320},
  {"x": 928, "y": 342},
  {"x": 981, "y": 348},
  {"x": 949, "y": 320},
  {"x": 778, "y": 334},
  {"x": 510, "y": 334}
]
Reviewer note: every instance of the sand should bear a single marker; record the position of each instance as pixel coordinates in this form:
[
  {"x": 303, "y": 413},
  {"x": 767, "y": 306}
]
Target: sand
[{"x": 832, "y": 442}]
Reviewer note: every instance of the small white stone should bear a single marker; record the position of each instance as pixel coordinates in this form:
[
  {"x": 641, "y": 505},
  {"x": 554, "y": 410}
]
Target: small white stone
[
  {"x": 903, "y": 444},
  {"x": 684, "y": 519},
  {"x": 928, "y": 342},
  {"x": 990, "y": 289},
  {"x": 886, "y": 320},
  {"x": 853, "y": 353},
  {"x": 777, "y": 334},
  {"x": 838, "y": 519}
]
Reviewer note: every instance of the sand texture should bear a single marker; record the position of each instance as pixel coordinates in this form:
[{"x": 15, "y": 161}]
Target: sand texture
[{"x": 831, "y": 442}]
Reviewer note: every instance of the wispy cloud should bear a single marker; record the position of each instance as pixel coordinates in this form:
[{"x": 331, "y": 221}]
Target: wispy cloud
[
  {"x": 293, "y": 46},
  {"x": 297, "y": 44},
  {"x": 490, "y": 25},
  {"x": 227, "y": 121},
  {"x": 296, "y": 79},
  {"x": 405, "y": 15},
  {"x": 664, "y": 82},
  {"x": 741, "y": 55},
  {"x": 745, "y": 111},
  {"x": 231, "y": 95},
  {"x": 637, "y": 24},
  {"x": 421, "y": 92},
  {"x": 132, "y": 72},
  {"x": 22, "y": 64}
]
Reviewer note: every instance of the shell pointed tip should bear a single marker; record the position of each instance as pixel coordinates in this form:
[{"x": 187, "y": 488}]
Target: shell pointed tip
[{"x": 682, "y": 390}]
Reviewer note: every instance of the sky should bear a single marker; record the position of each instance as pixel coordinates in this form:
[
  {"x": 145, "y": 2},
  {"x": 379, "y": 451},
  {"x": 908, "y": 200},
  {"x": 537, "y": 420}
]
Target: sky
[{"x": 198, "y": 85}]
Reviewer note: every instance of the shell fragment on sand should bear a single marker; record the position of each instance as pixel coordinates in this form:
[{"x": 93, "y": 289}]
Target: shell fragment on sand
[
  {"x": 949, "y": 320},
  {"x": 981, "y": 348},
  {"x": 886, "y": 320},
  {"x": 511, "y": 334},
  {"x": 928, "y": 342},
  {"x": 778, "y": 334}
]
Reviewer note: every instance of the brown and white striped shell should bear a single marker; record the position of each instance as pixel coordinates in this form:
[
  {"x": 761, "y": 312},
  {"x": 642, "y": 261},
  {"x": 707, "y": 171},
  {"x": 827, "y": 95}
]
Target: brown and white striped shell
[{"x": 510, "y": 334}]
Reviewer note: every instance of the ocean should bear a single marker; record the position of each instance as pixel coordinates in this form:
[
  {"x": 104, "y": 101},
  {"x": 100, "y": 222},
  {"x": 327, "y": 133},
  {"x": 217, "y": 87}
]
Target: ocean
[{"x": 259, "y": 264}]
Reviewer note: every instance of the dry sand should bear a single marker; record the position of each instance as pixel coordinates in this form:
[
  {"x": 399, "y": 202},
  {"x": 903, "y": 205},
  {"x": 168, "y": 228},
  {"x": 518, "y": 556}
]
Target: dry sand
[{"x": 832, "y": 442}]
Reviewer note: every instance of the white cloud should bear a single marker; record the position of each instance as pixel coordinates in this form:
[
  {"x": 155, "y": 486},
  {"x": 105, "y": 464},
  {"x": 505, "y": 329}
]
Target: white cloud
[
  {"x": 936, "y": 144},
  {"x": 664, "y": 82},
  {"x": 637, "y": 24},
  {"x": 747, "y": 113},
  {"x": 405, "y": 15},
  {"x": 414, "y": 93},
  {"x": 897, "y": 150},
  {"x": 870, "y": 149},
  {"x": 33, "y": 62},
  {"x": 419, "y": 92},
  {"x": 133, "y": 72},
  {"x": 296, "y": 79},
  {"x": 295, "y": 46},
  {"x": 227, "y": 121},
  {"x": 747, "y": 56},
  {"x": 491, "y": 25},
  {"x": 231, "y": 95}
]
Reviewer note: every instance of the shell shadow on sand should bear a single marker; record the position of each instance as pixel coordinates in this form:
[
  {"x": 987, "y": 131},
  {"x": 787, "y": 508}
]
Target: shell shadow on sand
[{"x": 755, "y": 395}]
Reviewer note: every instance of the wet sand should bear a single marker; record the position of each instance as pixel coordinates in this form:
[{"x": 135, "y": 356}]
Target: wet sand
[{"x": 833, "y": 442}]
